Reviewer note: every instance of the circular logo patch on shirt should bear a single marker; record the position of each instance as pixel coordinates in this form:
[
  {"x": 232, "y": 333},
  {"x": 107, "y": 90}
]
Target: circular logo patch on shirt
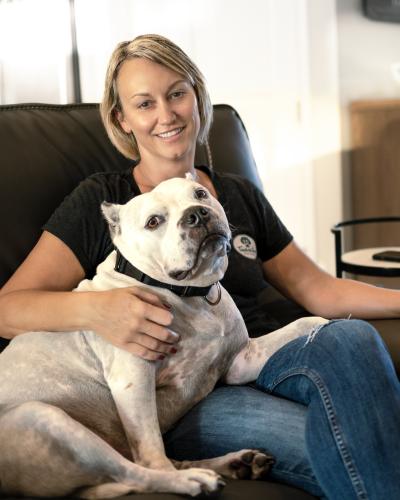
[{"x": 245, "y": 245}]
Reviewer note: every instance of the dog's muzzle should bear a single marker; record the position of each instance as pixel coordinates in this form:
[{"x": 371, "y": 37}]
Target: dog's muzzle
[
  {"x": 200, "y": 217},
  {"x": 194, "y": 217}
]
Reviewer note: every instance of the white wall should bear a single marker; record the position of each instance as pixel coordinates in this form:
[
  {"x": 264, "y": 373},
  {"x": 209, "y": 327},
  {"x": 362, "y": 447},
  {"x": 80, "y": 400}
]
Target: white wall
[
  {"x": 35, "y": 51},
  {"x": 324, "y": 127}
]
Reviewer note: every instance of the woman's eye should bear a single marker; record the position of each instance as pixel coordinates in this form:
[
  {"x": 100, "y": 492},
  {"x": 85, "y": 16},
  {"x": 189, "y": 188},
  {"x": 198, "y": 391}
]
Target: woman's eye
[
  {"x": 177, "y": 94},
  {"x": 200, "y": 194},
  {"x": 153, "y": 222},
  {"x": 144, "y": 105}
]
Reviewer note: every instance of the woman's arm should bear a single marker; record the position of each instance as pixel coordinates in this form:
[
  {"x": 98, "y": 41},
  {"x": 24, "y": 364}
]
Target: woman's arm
[
  {"x": 38, "y": 297},
  {"x": 300, "y": 279}
]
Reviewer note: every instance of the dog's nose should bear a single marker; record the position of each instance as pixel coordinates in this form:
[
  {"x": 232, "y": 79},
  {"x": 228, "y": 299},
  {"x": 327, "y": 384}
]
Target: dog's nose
[{"x": 195, "y": 216}]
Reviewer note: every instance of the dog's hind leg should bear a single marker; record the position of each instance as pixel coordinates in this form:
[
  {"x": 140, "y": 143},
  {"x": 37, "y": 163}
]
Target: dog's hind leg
[
  {"x": 106, "y": 490},
  {"x": 46, "y": 453},
  {"x": 243, "y": 464}
]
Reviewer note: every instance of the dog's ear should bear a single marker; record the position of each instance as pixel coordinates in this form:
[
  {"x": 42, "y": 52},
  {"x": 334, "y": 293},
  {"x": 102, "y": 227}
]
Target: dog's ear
[
  {"x": 111, "y": 214},
  {"x": 190, "y": 177}
]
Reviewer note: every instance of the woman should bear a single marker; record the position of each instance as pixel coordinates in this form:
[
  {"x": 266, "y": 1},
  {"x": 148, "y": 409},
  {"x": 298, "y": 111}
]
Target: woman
[{"x": 332, "y": 415}]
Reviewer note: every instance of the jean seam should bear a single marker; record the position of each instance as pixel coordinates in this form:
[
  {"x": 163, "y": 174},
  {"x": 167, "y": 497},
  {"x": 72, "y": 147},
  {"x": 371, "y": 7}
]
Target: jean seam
[{"x": 345, "y": 454}]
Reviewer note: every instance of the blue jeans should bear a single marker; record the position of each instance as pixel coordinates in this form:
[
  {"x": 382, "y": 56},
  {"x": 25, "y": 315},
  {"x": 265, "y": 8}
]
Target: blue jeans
[{"x": 330, "y": 415}]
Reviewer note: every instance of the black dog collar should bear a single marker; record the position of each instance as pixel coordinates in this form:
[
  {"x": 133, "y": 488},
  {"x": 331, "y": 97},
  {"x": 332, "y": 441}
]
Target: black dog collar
[{"x": 124, "y": 267}]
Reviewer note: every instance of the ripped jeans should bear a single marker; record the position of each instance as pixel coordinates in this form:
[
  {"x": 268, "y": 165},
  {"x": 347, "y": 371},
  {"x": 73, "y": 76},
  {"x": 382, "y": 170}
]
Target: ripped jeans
[{"x": 330, "y": 416}]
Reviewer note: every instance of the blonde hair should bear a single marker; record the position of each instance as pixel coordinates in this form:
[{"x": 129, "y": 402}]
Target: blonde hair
[{"x": 162, "y": 51}]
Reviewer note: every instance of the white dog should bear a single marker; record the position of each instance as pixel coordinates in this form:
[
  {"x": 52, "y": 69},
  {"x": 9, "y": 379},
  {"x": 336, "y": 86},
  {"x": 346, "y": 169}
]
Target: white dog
[{"x": 79, "y": 416}]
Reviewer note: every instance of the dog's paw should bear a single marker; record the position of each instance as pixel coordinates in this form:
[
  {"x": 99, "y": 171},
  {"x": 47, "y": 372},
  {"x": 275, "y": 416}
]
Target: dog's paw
[
  {"x": 249, "y": 464},
  {"x": 197, "y": 482}
]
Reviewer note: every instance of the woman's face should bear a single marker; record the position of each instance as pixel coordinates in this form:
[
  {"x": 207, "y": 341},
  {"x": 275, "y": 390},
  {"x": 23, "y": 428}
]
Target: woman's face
[{"x": 160, "y": 107}]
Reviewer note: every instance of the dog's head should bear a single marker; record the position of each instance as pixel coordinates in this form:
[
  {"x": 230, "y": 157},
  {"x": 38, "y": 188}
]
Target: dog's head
[{"x": 178, "y": 233}]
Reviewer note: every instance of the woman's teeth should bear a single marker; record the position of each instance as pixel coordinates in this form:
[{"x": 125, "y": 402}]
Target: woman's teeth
[{"x": 171, "y": 133}]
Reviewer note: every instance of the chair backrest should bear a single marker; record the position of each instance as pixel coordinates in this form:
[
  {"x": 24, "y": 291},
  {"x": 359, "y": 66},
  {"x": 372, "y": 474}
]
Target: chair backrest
[{"x": 46, "y": 150}]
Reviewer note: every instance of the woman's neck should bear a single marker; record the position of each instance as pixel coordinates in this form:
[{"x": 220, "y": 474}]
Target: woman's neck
[{"x": 147, "y": 179}]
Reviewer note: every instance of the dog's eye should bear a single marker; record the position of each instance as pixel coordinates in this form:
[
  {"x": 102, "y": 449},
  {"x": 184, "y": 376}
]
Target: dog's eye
[
  {"x": 153, "y": 222},
  {"x": 200, "y": 194}
]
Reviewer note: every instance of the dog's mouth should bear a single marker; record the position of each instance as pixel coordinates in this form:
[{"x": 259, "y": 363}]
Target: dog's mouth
[{"x": 217, "y": 244}]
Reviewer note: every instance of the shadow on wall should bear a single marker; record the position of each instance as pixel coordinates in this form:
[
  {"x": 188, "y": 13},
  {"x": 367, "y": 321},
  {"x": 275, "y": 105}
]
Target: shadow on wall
[{"x": 328, "y": 208}]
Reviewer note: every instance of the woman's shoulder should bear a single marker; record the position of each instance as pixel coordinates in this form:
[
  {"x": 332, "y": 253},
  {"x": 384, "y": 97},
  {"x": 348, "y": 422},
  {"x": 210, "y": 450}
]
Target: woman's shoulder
[
  {"x": 235, "y": 181},
  {"x": 234, "y": 189},
  {"x": 113, "y": 186}
]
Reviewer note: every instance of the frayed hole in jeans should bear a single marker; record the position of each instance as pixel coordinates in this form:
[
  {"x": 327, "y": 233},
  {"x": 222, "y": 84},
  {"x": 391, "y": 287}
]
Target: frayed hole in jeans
[
  {"x": 313, "y": 333},
  {"x": 311, "y": 336}
]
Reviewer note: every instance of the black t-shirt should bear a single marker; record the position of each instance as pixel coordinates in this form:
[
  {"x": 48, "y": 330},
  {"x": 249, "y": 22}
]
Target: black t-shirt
[{"x": 257, "y": 233}]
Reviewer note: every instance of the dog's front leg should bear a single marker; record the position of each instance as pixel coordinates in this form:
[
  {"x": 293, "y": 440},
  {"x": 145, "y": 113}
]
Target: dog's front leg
[
  {"x": 132, "y": 384},
  {"x": 248, "y": 364}
]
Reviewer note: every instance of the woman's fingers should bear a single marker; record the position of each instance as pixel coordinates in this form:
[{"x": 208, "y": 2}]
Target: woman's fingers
[
  {"x": 149, "y": 348},
  {"x": 149, "y": 297},
  {"x": 138, "y": 321}
]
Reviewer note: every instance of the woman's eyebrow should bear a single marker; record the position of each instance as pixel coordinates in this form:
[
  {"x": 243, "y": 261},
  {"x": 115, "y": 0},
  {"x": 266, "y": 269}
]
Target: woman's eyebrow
[
  {"x": 140, "y": 94},
  {"x": 182, "y": 80},
  {"x": 148, "y": 94}
]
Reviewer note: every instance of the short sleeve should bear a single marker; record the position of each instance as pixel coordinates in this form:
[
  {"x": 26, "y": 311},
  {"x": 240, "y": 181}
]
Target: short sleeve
[{"x": 79, "y": 222}]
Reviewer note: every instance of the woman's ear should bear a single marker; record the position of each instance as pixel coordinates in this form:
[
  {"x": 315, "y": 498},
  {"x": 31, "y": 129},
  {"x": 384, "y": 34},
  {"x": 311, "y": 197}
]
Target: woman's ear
[{"x": 121, "y": 119}]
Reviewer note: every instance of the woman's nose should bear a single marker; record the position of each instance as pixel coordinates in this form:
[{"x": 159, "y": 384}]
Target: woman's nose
[{"x": 166, "y": 113}]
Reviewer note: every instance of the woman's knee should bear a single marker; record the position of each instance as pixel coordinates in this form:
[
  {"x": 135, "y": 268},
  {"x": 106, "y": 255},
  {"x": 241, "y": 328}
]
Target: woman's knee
[
  {"x": 349, "y": 343},
  {"x": 339, "y": 347},
  {"x": 353, "y": 333}
]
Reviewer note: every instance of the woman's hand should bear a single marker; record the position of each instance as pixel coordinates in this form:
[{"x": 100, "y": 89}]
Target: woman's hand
[{"x": 133, "y": 319}]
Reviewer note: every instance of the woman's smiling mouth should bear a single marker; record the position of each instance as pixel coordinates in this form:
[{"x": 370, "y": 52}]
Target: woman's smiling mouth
[{"x": 170, "y": 133}]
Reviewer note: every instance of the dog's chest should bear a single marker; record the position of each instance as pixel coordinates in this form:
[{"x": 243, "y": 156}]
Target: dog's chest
[
  {"x": 208, "y": 335},
  {"x": 210, "y": 339},
  {"x": 186, "y": 378},
  {"x": 193, "y": 359}
]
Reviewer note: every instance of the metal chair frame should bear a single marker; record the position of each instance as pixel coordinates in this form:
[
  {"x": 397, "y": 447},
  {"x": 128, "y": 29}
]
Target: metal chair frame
[{"x": 342, "y": 267}]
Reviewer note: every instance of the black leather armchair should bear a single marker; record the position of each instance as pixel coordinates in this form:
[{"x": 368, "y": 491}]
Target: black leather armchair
[{"x": 46, "y": 150}]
